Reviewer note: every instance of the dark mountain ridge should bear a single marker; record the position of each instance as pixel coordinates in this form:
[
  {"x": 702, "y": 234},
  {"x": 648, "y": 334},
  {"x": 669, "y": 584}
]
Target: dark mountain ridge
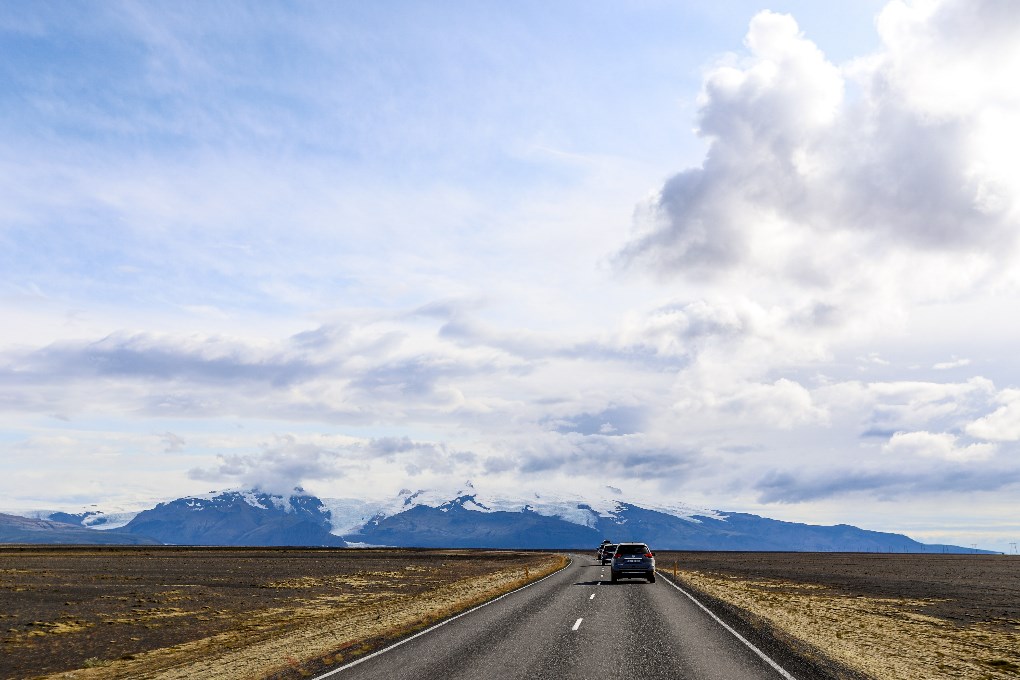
[
  {"x": 255, "y": 518},
  {"x": 236, "y": 518},
  {"x": 454, "y": 525},
  {"x": 16, "y": 529}
]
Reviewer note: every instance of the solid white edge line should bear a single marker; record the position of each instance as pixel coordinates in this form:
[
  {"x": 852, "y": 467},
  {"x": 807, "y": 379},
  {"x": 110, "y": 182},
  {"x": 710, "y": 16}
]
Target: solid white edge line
[
  {"x": 438, "y": 625},
  {"x": 577, "y": 624},
  {"x": 779, "y": 669}
]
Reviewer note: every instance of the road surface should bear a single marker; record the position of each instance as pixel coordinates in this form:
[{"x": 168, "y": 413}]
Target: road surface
[{"x": 575, "y": 624}]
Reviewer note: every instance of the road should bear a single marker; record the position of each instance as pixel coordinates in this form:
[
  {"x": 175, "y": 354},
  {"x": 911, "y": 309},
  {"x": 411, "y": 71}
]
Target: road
[{"x": 575, "y": 624}]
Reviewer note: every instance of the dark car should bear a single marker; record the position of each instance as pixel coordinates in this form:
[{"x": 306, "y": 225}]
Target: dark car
[
  {"x": 633, "y": 560},
  {"x": 607, "y": 553}
]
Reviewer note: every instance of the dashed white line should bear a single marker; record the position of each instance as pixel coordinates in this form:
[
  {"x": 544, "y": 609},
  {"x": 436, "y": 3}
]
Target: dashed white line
[
  {"x": 592, "y": 596},
  {"x": 577, "y": 624},
  {"x": 438, "y": 625}
]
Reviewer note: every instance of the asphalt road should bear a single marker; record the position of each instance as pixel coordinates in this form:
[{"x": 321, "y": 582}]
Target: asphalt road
[{"x": 575, "y": 624}]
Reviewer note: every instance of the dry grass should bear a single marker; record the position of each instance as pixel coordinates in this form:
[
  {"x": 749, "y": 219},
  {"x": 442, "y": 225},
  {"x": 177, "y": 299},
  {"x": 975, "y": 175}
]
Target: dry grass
[
  {"x": 310, "y": 632},
  {"x": 885, "y": 638}
]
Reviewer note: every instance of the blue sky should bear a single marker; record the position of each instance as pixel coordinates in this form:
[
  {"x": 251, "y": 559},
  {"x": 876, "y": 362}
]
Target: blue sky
[{"x": 755, "y": 257}]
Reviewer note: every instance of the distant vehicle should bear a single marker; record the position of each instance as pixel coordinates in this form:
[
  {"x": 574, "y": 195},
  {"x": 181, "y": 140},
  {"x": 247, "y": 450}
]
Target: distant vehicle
[
  {"x": 598, "y": 551},
  {"x": 632, "y": 560},
  {"x": 607, "y": 553}
]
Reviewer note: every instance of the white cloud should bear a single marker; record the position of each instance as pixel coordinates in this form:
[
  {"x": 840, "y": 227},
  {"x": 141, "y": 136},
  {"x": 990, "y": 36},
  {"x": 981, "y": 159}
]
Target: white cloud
[
  {"x": 950, "y": 59},
  {"x": 782, "y": 404},
  {"x": 955, "y": 363},
  {"x": 803, "y": 184},
  {"x": 1003, "y": 424},
  {"x": 941, "y": 445}
]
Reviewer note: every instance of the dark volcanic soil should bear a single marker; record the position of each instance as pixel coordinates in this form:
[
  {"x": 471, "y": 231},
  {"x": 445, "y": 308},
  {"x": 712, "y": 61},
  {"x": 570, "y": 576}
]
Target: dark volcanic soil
[
  {"x": 969, "y": 588},
  {"x": 67, "y": 607}
]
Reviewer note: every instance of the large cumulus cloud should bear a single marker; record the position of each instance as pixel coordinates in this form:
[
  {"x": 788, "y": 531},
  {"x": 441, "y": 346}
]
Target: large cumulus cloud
[{"x": 816, "y": 169}]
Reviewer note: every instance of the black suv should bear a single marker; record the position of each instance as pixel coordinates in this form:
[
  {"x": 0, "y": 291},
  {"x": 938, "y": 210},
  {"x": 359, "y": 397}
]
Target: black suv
[{"x": 633, "y": 560}]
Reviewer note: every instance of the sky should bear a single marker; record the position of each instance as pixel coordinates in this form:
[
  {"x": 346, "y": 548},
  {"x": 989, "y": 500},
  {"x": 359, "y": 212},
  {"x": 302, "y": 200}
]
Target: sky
[{"x": 754, "y": 257}]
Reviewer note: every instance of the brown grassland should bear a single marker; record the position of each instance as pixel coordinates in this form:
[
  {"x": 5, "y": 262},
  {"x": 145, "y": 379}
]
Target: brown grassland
[
  {"x": 128, "y": 612},
  {"x": 139, "y": 612},
  {"x": 884, "y": 616}
]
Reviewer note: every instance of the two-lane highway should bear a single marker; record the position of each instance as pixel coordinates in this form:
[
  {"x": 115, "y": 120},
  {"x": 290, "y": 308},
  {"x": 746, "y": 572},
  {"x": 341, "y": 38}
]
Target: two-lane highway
[{"x": 575, "y": 624}]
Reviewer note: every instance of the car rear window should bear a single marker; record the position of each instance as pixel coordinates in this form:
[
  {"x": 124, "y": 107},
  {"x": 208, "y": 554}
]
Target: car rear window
[{"x": 631, "y": 550}]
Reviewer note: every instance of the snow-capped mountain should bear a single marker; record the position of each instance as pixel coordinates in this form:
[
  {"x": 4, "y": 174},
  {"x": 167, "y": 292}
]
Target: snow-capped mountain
[
  {"x": 424, "y": 519},
  {"x": 351, "y": 515},
  {"x": 469, "y": 517},
  {"x": 92, "y": 516},
  {"x": 238, "y": 518}
]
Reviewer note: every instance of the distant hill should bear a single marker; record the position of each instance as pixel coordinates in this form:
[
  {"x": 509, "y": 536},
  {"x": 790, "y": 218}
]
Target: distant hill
[
  {"x": 15, "y": 529},
  {"x": 237, "y": 518},
  {"x": 463, "y": 519}
]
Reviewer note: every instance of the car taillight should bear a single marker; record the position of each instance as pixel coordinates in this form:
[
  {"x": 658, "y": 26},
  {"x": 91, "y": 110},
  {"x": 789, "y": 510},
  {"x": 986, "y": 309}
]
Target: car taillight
[{"x": 649, "y": 554}]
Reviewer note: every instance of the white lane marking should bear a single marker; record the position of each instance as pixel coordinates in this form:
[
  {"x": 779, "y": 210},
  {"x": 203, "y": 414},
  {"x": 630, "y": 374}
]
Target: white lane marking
[
  {"x": 779, "y": 669},
  {"x": 592, "y": 596},
  {"x": 577, "y": 624},
  {"x": 438, "y": 625}
]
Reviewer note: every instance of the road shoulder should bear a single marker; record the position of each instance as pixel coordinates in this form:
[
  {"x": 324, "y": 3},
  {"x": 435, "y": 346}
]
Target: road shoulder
[{"x": 798, "y": 658}]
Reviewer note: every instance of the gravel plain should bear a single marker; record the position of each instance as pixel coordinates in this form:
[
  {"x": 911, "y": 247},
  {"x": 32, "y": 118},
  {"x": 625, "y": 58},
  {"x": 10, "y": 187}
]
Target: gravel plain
[
  {"x": 128, "y": 612},
  {"x": 895, "y": 616}
]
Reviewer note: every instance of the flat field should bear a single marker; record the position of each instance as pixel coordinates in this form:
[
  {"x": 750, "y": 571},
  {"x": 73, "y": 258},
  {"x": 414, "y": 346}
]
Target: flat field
[
  {"x": 879, "y": 615},
  {"x": 130, "y": 612}
]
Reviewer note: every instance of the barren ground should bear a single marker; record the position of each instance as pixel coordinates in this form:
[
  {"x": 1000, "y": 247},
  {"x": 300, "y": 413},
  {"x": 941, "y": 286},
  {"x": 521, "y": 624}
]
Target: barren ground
[
  {"x": 901, "y": 617},
  {"x": 127, "y": 612}
]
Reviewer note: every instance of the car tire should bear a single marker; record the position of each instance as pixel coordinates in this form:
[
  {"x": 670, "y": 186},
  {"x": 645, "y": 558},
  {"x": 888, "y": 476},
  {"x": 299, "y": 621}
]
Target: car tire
[
  {"x": 651, "y": 578},
  {"x": 613, "y": 576}
]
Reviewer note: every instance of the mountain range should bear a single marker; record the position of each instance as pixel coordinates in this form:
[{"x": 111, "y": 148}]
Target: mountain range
[
  {"x": 17, "y": 529},
  {"x": 462, "y": 519}
]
